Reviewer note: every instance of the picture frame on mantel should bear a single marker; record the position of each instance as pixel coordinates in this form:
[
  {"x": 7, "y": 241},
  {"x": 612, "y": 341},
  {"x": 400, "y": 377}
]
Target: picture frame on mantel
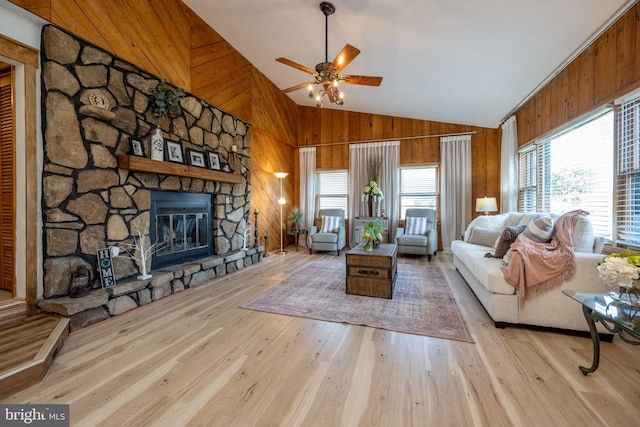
[
  {"x": 174, "y": 151},
  {"x": 214, "y": 161},
  {"x": 136, "y": 148},
  {"x": 196, "y": 158}
]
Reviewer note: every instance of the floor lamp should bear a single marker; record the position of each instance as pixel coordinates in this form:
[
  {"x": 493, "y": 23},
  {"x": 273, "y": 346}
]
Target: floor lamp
[{"x": 281, "y": 202}]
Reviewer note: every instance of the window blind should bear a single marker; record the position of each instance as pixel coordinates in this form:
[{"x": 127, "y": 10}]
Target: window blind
[
  {"x": 572, "y": 169},
  {"x": 627, "y": 179},
  {"x": 418, "y": 188},
  {"x": 527, "y": 180},
  {"x": 332, "y": 190}
]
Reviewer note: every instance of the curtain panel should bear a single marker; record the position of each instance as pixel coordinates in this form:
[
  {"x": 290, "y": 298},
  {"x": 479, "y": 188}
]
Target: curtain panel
[
  {"x": 307, "y": 187},
  {"x": 509, "y": 167},
  {"x": 389, "y": 154},
  {"x": 455, "y": 153}
]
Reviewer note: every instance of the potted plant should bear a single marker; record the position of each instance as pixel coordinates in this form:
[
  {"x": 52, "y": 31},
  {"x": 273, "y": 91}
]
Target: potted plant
[
  {"x": 372, "y": 235},
  {"x": 164, "y": 100},
  {"x": 296, "y": 217}
]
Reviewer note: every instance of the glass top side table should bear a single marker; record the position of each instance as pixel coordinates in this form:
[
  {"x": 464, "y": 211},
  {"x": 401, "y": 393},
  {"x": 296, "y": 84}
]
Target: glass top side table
[{"x": 617, "y": 318}]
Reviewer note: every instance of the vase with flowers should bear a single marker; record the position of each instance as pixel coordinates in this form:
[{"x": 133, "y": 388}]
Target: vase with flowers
[
  {"x": 370, "y": 194},
  {"x": 372, "y": 235},
  {"x": 621, "y": 273}
]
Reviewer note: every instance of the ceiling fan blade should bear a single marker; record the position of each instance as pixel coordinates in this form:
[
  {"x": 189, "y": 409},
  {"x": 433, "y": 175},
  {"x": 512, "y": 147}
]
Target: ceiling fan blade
[
  {"x": 361, "y": 80},
  {"x": 295, "y": 65},
  {"x": 296, "y": 87},
  {"x": 346, "y": 55}
]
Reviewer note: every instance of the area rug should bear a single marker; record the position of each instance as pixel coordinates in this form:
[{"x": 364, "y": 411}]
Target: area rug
[{"x": 422, "y": 302}]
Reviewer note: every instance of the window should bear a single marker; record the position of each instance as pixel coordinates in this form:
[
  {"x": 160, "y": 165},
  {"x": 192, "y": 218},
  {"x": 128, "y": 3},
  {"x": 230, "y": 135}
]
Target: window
[
  {"x": 628, "y": 172},
  {"x": 332, "y": 190},
  {"x": 418, "y": 188},
  {"x": 527, "y": 180},
  {"x": 572, "y": 169}
]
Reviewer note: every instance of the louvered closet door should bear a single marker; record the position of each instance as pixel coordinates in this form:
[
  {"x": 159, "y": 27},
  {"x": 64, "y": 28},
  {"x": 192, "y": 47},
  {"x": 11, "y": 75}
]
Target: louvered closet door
[{"x": 7, "y": 196}]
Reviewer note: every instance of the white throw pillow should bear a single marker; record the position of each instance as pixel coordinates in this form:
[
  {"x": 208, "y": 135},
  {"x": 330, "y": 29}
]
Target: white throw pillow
[
  {"x": 538, "y": 231},
  {"x": 415, "y": 225},
  {"x": 330, "y": 224},
  {"x": 583, "y": 236},
  {"x": 491, "y": 222},
  {"x": 483, "y": 236}
]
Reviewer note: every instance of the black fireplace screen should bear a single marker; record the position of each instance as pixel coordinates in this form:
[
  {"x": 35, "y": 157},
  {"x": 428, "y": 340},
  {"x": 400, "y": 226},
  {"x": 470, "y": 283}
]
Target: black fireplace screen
[
  {"x": 183, "y": 221},
  {"x": 182, "y": 232}
]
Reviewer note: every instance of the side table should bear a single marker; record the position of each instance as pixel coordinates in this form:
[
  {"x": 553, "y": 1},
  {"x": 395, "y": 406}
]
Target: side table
[
  {"x": 617, "y": 318},
  {"x": 297, "y": 232}
]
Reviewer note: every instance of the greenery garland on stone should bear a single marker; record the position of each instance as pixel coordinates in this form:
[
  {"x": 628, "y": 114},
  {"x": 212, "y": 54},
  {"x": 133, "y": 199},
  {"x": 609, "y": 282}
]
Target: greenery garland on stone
[{"x": 164, "y": 99}]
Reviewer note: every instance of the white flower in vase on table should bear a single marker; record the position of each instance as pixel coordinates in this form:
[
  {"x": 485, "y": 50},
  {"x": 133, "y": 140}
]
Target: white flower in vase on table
[
  {"x": 372, "y": 189},
  {"x": 621, "y": 271}
]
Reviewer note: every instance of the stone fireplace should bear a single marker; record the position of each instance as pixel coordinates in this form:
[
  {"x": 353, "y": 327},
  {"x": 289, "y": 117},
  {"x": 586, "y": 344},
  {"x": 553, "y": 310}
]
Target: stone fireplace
[{"x": 94, "y": 198}]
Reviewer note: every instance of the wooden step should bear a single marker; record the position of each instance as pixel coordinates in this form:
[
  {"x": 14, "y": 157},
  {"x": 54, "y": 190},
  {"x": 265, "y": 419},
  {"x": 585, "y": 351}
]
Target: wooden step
[
  {"x": 12, "y": 312},
  {"x": 27, "y": 350}
]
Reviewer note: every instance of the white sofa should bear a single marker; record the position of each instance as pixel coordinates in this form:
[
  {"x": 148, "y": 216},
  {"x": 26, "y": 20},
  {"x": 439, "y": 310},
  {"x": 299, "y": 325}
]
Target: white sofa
[{"x": 500, "y": 299}]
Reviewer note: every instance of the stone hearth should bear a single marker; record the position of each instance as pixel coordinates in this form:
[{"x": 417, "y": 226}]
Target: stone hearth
[{"x": 89, "y": 203}]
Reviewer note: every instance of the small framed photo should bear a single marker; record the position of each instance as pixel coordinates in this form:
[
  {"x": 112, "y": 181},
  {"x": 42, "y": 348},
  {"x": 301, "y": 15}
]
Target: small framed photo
[
  {"x": 214, "y": 161},
  {"x": 226, "y": 167},
  {"x": 136, "y": 148},
  {"x": 196, "y": 158},
  {"x": 174, "y": 151}
]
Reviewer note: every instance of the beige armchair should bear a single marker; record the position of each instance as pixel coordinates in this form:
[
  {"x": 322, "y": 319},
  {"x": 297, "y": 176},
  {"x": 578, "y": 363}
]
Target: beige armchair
[
  {"x": 330, "y": 240},
  {"x": 418, "y": 244}
]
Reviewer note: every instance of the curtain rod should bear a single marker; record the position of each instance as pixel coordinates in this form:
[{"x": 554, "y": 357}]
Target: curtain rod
[{"x": 389, "y": 139}]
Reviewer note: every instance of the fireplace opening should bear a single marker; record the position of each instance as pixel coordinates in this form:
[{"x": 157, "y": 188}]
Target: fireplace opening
[{"x": 183, "y": 222}]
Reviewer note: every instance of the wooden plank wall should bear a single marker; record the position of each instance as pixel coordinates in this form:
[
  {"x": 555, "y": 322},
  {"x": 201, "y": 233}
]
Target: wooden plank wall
[
  {"x": 327, "y": 127},
  {"x": 273, "y": 140},
  {"x": 219, "y": 74},
  {"x": 607, "y": 69},
  {"x": 151, "y": 34}
]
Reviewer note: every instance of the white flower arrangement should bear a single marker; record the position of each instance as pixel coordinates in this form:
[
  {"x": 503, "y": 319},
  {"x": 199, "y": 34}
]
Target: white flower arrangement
[
  {"x": 372, "y": 190},
  {"x": 620, "y": 269}
]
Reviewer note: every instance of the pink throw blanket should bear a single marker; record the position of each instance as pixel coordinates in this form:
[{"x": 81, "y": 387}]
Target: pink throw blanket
[{"x": 538, "y": 267}]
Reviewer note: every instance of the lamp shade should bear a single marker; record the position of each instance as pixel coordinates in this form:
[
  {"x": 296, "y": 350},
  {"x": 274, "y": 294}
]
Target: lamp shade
[
  {"x": 486, "y": 205},
  {"x": 280, "y": 175}
]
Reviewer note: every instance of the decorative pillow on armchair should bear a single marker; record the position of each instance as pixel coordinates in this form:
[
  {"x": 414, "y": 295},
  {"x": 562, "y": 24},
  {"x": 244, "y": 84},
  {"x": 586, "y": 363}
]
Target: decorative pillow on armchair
[
  {"x": 415, "y": 225},
  {"x": 330, "y": 224}
]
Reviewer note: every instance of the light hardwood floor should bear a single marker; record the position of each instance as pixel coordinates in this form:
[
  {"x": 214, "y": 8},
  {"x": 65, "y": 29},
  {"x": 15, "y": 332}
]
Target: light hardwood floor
[{"x": 195, "y": 358}]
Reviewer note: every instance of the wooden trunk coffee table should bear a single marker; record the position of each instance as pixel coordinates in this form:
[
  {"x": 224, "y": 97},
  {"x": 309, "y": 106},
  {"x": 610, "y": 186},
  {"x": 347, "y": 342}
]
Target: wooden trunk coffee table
[{"x": 372, "y": 273}]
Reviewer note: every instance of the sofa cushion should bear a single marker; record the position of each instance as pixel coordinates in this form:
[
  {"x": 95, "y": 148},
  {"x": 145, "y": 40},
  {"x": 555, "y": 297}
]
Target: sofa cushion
[
  {"x": 412, "y": 240},
  {"x": 330, "y": 224},
  {"x": 507, "y": 237},
  {"x": 538, "y": 231},
  {"x": 483, "y": 236},
  {"x": 325, "y": 238},
  {"x": 415, "y": 225},
  {"x": 583, "y": 236},
  {"x": 486, "y": 270}
]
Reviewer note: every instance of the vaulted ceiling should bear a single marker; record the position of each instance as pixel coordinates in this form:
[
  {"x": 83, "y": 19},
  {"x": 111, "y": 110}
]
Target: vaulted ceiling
[{"x": 456, "y": 61}]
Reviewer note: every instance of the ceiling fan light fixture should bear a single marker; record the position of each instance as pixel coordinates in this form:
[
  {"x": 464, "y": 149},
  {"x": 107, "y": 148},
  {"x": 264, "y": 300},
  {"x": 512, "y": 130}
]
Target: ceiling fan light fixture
[{"x": 327, "y": 74}]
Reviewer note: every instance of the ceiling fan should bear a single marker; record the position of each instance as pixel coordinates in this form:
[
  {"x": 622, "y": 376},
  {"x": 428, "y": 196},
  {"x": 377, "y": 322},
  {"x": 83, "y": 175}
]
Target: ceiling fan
[{"x": 327, "y": 74}]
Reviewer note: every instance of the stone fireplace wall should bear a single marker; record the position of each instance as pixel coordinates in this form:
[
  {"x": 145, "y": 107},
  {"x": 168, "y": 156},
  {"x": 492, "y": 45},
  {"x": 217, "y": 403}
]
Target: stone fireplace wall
[{"x": 89, "y": 203}]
